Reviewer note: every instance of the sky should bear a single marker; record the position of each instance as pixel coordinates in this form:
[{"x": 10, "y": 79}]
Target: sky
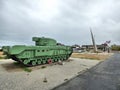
[{"x": 67, "y": 21}]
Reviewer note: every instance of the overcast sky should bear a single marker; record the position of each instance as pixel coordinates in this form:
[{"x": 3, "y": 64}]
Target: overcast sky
[{"x": 67, "y": 21}]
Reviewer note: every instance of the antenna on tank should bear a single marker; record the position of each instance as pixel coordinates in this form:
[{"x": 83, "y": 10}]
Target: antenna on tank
[{"x": 93, "y": 41}]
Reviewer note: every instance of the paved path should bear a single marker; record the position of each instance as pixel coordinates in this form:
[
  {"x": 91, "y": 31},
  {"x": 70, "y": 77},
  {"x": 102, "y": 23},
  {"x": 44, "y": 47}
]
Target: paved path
[{"x": 105, "y": 76}]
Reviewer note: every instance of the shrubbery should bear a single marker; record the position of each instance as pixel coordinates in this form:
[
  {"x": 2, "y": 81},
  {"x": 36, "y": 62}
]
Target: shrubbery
[{"x": 115, "y": 47}]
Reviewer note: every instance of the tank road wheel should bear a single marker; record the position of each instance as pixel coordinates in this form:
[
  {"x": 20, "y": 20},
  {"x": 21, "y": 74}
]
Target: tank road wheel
[
  {"x": 39, "y": 62},
  {"x": 25, "y": 62},
  {"x": 43, "y": 61},
  {"x": 56, "y": 60},
  {"x": 52, "y": 60},
  {"x": 33, "y": 63},
  {"x": 61, "y": 59}
]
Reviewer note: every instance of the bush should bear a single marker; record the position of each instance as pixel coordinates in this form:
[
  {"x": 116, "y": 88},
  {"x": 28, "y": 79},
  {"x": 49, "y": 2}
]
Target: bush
[
  {"x": 27, "y": 69},
  {"x": 115, "y": 48}
]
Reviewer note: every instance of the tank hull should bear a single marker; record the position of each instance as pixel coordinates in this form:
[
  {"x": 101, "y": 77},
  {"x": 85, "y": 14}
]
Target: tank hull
[
  {"x": 36, "y": 55},
  {"x": 45, "y": 51}
]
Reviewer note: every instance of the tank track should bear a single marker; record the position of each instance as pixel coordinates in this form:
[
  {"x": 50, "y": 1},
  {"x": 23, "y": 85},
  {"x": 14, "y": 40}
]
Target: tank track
[
  {"x": 20, "y": 61},
  {"x": 41, "y": 60}
]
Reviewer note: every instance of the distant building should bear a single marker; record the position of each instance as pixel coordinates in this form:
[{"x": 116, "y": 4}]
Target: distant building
[
  {"x": 91, "y": 47},
  {"x": 84, "y": 48},
  {"x": 76, "y": 48}
]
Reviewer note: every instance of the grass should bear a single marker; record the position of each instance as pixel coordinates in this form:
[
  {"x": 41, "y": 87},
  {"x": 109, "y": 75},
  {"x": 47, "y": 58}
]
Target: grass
[
  {"x": 1, "y": 57},
  {"x": 16, "y": 63},
  {"x": 91, "y": 56},
  {"x": 27, "y": 69},
  {"x": 43, "y": 67}
]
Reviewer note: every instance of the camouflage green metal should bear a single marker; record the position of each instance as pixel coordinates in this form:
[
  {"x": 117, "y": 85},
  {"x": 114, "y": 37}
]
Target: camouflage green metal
[{"x": 45, "y": 51}]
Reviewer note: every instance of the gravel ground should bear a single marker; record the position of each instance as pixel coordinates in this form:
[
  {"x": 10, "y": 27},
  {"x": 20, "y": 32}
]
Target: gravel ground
[{"x": 55, "y": 74}]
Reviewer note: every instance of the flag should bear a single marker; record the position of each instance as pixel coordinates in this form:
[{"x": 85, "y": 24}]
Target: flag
[{"x": 107, "y": 42}]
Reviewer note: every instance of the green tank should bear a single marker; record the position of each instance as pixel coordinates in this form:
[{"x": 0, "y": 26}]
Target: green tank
[{"x": 46, "y": 50}]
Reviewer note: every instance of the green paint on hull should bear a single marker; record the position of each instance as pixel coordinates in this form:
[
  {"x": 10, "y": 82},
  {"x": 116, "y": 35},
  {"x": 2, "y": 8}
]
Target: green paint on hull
[{"x": 45, "y": 49}]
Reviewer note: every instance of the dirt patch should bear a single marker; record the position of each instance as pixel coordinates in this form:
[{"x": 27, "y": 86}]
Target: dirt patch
[
  {"x": 1, "y": 55},
  {"x": 17, "y": 67},
  {"x": 93, "y": 56},
  {"x": 12, "y": 67}
]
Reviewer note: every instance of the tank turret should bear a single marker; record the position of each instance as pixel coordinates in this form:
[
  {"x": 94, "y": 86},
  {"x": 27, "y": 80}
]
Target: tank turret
[{"x": 44, "y": 41}]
